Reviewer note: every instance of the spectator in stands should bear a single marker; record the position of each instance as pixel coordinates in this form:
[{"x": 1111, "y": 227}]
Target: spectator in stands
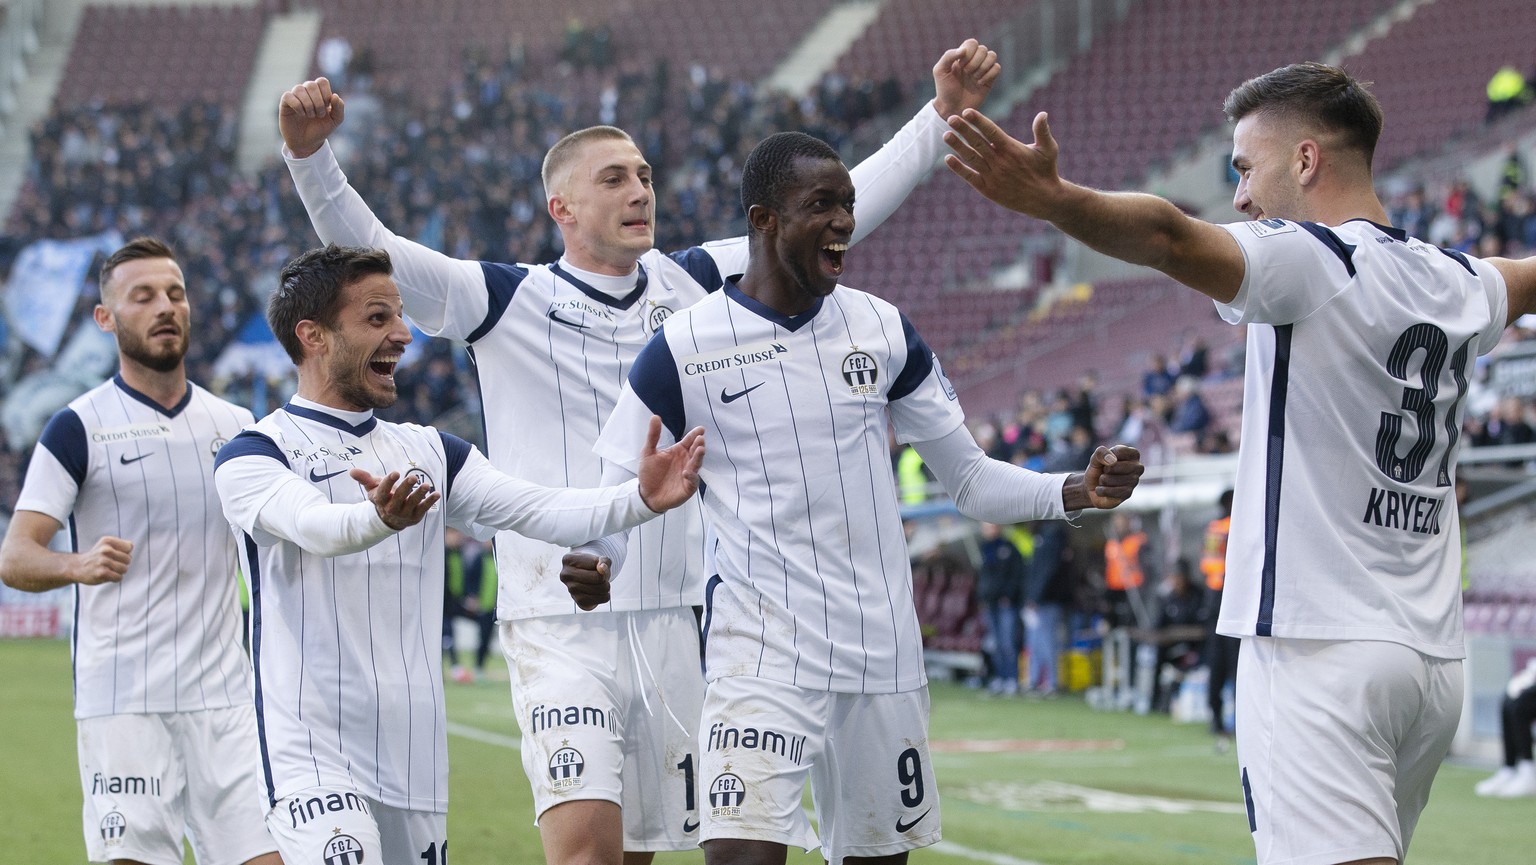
[
  {"x": 1049, "y": 588},
  {"x": 1128, "y": 562},
  {"x": 1507, "y": 424},
  {"x": 1336, "y": 304},
  {"x": 1000, "y": 593},
  {"x": 1193, "y": 357},
  {"x": 1179, "y": 629},
  {"x": 469, "y": 592},
  {"x": 1085, "y": 401},
  {"x": 1517, "y": 712},
  {"x": 1220, "y": 649},
  {"x": 1507, "y": 90},
  {"x": 1189, "y": 412},
  {"x": 1158, "y": 378}
]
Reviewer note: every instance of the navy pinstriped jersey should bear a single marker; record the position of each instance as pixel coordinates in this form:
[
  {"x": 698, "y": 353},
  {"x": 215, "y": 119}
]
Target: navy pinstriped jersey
[
  {"x": 812, "y": 585},
  {"x": 167, "y": 637},
  {"x": 1361, "y": 342}
]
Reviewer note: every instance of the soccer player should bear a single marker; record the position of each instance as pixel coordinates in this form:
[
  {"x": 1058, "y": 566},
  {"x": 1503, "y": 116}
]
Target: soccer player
[
  {"x": 1342, "y": 572},
  {"x": 346, "y": 568},
  {"x": 553, "y": 344},
  {"x": 165, "y": 727},
  {"x": 810, "y": 632}
]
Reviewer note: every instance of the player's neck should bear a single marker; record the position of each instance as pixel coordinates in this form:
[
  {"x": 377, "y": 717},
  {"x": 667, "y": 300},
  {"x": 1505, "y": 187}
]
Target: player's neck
[
  {"x": 584, "y": 260},
  {"x": 779, "y": 292},
  {"x": 1347, "y": 204},
  {"x": 165, "y": 388}
]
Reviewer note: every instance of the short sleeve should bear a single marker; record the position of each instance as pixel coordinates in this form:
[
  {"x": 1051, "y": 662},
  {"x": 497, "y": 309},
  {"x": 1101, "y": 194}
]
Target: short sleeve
[
  {"x": 58, "y": 468},
  {"x": 1292, "y": 270}
]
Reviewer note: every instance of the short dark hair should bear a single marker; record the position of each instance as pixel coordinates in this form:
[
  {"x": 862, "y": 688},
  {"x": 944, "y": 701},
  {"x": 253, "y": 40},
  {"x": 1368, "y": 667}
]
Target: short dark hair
[
  {"x": 565, "y": 151},
  {"x": 770, "y": 167},
  {"x": 309, "y": 289},
  {"x": 133, "y": 250},
  {"x": 1317, "y": 92}
]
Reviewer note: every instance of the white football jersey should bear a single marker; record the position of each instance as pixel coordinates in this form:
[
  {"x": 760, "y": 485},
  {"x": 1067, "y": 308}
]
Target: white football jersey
[
  {"x": 348, "y": 647},
  {"x": 1360, "y": 344},
  {"x": 166, "y": 638},
  {"x": 812, "y": 584},
  {"x": 551, "y": 352}
]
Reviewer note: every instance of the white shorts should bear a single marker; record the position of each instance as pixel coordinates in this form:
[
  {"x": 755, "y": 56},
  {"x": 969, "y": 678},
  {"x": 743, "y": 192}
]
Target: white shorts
[
  {"x": 1338, "y": 743},
  {"x": 609, "y": 706},
  {"x": 340, "y": 826},
  {"x": 149, "y": 780},
  {"x": 866, "y": 756}
]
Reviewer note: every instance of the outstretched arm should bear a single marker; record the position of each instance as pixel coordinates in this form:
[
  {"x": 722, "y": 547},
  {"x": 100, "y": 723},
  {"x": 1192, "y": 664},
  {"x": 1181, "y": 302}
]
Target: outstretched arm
[
  {"x": 962, "y": 79},
  {"x": 1520, "y": 283},
  {"x": 1134, "y": 227},
  {"x": 445, "y": 296},
  {"x": 997, "y": 492}
]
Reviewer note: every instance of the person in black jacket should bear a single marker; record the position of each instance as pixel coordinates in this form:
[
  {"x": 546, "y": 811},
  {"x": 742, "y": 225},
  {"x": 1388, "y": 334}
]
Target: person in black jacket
[
  {"x": 999, "y": 589},
  {"x": 1048, "y": 589}
]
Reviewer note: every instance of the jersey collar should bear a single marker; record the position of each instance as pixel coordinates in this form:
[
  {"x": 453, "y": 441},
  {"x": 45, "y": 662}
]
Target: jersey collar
[
  {"x": 144, "y": 398},
  {"x": 1394, "y": 233},
  {"x": 324, "y": 417},
  {"x": 790, "y": 323},
  {"x": 624, "y": 302}
]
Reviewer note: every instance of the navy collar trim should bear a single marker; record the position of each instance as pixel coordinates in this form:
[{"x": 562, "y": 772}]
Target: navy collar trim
[
  {"x": 1395, "y": 233},
  {"x": 624, "y": 302},
  {"x": 331, "y": 420},
  {"x": 790, "y": 323},
  {"x": 144, "y": 398}
]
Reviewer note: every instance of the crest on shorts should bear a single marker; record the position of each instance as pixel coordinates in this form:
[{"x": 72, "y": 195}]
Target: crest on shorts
[
  {"x": 113, "y": 827},
  {"x": 342, "y": 850},
  {"x": 565, "y": 767},
  {"x": 726, "y": 795},
  {"x": 861, "y": 373}
]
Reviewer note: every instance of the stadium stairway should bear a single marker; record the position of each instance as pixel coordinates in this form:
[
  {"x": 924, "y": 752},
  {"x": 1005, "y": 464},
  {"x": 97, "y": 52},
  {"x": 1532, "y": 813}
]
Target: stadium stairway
[
  {"x": 35, "y": 92},
  {"x": 287, "y": 43}
]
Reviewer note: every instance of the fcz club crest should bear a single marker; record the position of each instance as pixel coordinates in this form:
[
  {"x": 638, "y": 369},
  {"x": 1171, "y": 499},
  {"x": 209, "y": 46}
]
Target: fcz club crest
[
  {"x": 342, "y": 850},
  {"x": 861, "y": 373},
  {"x": 565, "y": 767},
  {"x": 113, "y": 827}
]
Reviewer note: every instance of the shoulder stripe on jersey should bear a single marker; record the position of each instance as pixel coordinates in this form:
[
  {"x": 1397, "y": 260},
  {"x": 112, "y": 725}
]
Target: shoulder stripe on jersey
[
  {"x": 248, "y": 443},
  {"x": 501, "y": 282},
  {"x": 1460, "y": 258},
  {"x": 654, "y": 379},
  {"x": 919, "y": 362},
  {"x": 1345, "y": 251},
  {"x": 700, "y": 265},
  {"x": 624, "y": 302},
  {"x": 331, "y": 420},
  {"x": 253, "y": 566},
  {"x": 762, "y": 310},
  {"x": 146, "y": 400},
  {"x": 1274, "y": 464},
  {"x": 457, "y": 451},
  {"x": 64, "y": 437}
]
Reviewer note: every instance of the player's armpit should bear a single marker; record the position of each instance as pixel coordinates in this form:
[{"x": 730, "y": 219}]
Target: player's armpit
[{"x": 1519, "y": 283}]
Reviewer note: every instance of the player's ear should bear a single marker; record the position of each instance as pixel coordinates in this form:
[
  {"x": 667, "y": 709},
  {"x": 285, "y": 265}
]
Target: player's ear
[
  {"x": 1307, "y": 160},
  {"x": 311, "y": 336},
  {"x": 104, "y": 318},
  {"x": 560, "y": 210},
  {"x": 762, "y": 218}
]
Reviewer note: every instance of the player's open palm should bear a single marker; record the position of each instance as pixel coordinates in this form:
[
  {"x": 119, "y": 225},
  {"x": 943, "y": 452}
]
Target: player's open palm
[
  {"x": 1018, "y": 176},
  {"x": 401, "y": 502},
  {"x": 105, "y": 562},
  {"x": 670, "y": 476},
  {"x": 308, "y": 114},
  {"x": 1112, "y": 475}
]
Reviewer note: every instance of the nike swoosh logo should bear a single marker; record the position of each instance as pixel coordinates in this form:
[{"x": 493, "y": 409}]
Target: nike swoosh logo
[
  {"x": 902, "y": 827},
  {"x": 318, "y": 478},
  {"x": 576, "y": 325},
  {"x": 732, "y": 397},
  {"x": 690, "y": 826},
  {"x": 128, "y": 462}
]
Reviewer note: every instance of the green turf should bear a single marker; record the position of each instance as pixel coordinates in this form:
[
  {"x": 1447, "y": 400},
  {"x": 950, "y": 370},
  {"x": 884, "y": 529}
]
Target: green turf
[{"x": 1003, "y": 808}]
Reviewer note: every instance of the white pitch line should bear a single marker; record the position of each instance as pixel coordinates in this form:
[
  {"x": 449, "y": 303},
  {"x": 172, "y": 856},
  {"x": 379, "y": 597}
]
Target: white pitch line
[{"x": 948, "y": 847}]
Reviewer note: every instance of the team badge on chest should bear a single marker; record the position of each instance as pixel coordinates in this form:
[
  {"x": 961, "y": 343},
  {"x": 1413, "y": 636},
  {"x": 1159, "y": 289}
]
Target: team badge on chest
[{"x": 861, "y": 373}]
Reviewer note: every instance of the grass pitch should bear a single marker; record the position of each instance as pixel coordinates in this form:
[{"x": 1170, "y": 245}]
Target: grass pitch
[{"x": 1023, "y": 783}]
